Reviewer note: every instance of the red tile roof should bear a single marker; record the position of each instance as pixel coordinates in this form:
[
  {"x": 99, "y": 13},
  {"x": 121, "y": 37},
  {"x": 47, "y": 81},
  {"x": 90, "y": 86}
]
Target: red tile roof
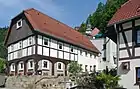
[
  {"x": 129, "y": 10},
  {"x": 45, "y": 24}
]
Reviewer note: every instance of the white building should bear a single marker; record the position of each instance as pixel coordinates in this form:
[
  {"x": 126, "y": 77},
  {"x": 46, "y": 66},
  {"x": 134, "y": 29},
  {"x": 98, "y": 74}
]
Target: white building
[
  {"x": 108, "y": 53},
  {"x": 39, "y": 44},
  {"x": 126, "y": 23}
]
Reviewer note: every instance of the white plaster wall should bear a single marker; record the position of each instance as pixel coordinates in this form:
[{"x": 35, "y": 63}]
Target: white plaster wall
[
  {"x": 29, "y": 51},
  {"x": 24, "y": 53},
  {"x": 128, "y": 78},
  {"x": 39, "y": 40},
  {"x": 137, "y": 22},
  {"x": 86, "y": 60},
  {"x": 123, "y": 53},
  {"x": 127, "y": 25},
  {"x": 45, "y": 51},
  {"x": 39, "y": 49},
  {"x": 110, "y": 52},
  {"x": 53, "y": 53},
  {"x": 21, "y": 51},
  {"x": 53, "y": 44},
  {"x": 66, "y": 47},
  {"x": 60, "y": 54},
  {"x": 25, "y": 43},
  {"x": 66, "y": 55},
  {"x": 137, "y": 51}
]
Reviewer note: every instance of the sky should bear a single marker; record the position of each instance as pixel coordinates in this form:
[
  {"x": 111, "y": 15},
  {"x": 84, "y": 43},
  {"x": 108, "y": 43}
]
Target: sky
[{"x": 70, "y": 12}]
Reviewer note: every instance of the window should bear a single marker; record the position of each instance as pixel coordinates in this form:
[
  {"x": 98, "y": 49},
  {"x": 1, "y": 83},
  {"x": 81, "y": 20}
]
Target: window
[
  {"x": 138, "y": 36},
  {"x": 90, "y": 68},
  {"x": 137, "y": 74},
  {"x": 85, "y": 68},
  {"x": 59, "y": 66},
  {"x": 94, "y": 68},
  {"x": 90, "y": 55},
  {"x": 86, "y": 54},
  {"x": 20, "y": 45},
  {"x": 71, "y": 49},
  {"x": 46, "y": 41},
  {"x": 12, "y": 48},
  {"x": 30, "y": 41},
  {"x": 104, "y": 58},
  {"x": 31, "y": 64},
  {"x": 19, "y": 23},
  {"x": 80, "y": 52},
  {"x": 104, "y": 46},
  {"x": 13, "y": 66},
  {"x": 60, "y": 46},
  {"x": 45, "y": 64},
  {"x": 21, "y": 65}
]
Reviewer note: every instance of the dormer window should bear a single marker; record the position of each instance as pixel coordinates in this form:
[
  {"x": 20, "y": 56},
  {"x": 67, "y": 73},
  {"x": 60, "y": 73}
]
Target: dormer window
[{"x": 19, "y": 23}]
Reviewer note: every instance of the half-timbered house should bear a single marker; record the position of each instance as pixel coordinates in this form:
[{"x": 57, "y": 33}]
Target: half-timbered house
[
  {"x": 39, "y": 44},
  {"x": 125, "y": 26}
]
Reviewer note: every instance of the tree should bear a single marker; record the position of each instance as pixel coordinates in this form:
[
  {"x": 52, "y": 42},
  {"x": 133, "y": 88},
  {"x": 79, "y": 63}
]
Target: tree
[
  {"x": 74, "y": 68},
  {"x": 102, "y": 15},
  {"x": 3, "y": 49},
  {"x": 108, "y": 80},
  {"x": 2, "y": 65}
]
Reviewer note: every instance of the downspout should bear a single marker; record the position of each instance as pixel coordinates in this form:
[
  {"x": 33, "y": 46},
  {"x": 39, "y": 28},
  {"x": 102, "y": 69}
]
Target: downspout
[{"x": 117, "y": 51}]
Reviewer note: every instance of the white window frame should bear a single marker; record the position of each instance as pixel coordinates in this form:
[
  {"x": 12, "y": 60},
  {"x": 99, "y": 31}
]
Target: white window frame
[
  {"x": 60, "y": 44},
  {"x": 48, "y": 64},
  {"x": 45, "y": 38},
  {"x": 17, "y": 25},
  {"x": 30, "y": 40},
  {"x": 20, "y": 66},
  {"x": 72, "y": 49},
  {"x": 29, "y": 66},
  {"x": 12, "y": 69},
  {"x": 61, "y": 66}
]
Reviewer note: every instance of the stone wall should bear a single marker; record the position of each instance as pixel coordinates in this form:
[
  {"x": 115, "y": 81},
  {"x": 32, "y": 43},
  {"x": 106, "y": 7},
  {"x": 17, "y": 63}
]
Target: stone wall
[{"x": 36, "y": 82}]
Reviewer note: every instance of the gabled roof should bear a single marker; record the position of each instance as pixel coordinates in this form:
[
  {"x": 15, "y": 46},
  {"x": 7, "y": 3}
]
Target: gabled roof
[
  {"x": 47, "y": 25},
  {"x": 129, "y": 10}
]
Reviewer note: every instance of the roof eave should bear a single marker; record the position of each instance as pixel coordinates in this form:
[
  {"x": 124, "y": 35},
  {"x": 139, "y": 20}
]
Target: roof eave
[{"x": 124, "y": 20}]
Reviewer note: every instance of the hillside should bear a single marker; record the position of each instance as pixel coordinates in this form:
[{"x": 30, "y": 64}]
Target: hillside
[
  {"x": 3, "y": 50},
  {"x": 102, "y": 15}
]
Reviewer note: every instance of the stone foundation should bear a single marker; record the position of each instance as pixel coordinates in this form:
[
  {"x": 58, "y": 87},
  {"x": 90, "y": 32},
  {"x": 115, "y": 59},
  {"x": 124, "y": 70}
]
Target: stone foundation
[{"x": 36, "y": 82}]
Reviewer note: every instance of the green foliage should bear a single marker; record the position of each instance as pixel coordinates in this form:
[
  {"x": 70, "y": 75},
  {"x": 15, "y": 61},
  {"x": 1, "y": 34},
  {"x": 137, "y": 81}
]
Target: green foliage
[
  {"x": 74, "y": 68},
  {"x": 98, "y": 81},
  {"x": 2, "y": 65},
  {"x": 109, "y": 80},
  {"x": 87, "y": 81},
  {"x": 102, "y": 15},
  {"x": 3, "y": 49}
]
